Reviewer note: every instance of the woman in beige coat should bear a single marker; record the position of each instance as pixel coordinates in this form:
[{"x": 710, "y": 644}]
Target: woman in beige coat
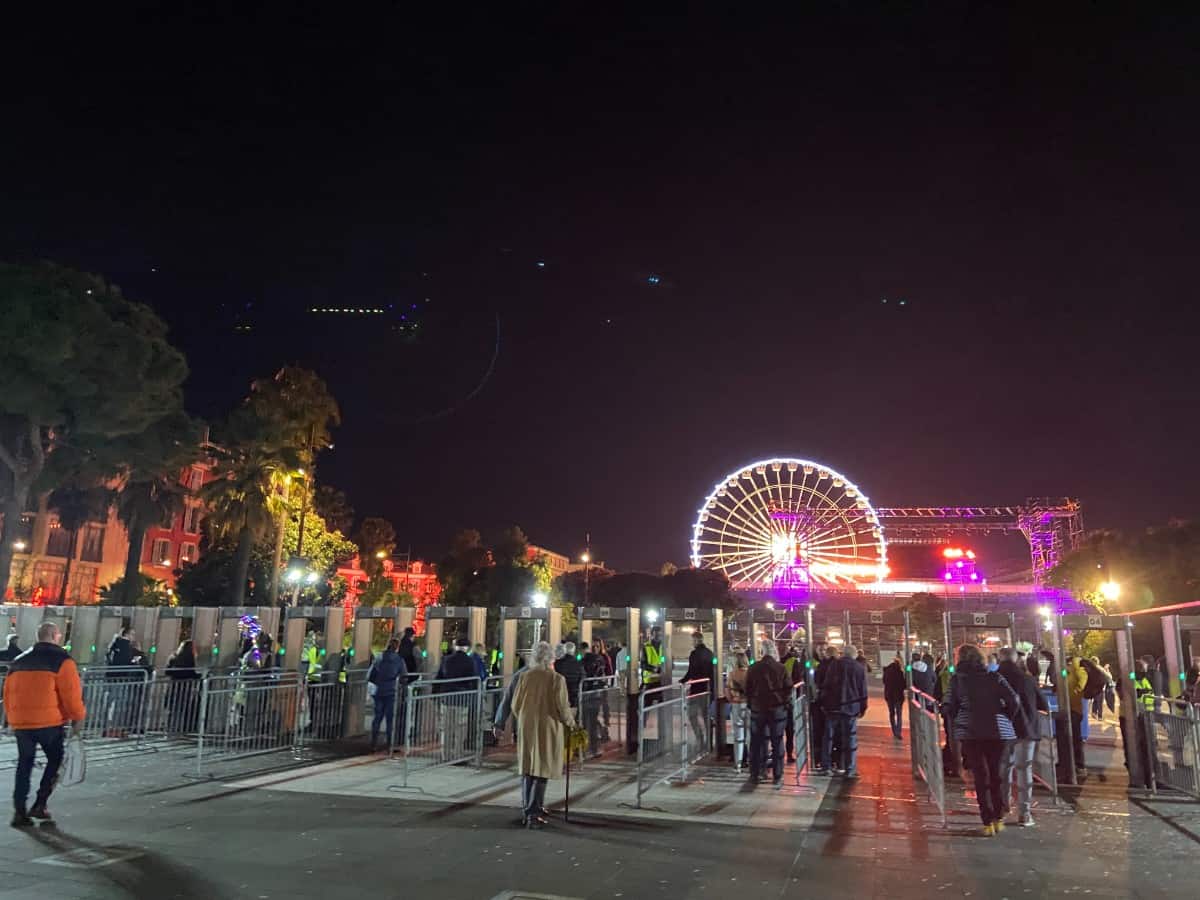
[{"x": 542, "y": 711}]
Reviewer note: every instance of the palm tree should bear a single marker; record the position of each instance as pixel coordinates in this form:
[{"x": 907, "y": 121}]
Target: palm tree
[
  {"x": 145, "y": 499},
  {"x": 240, "y": 502}
]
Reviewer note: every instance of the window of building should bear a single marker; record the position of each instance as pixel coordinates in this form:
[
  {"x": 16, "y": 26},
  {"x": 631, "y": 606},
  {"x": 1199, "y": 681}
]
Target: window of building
[
  {"x": 195, "y": 479},
  {"x": 92, "y": 543},
  {"x": 168, "y": 521},
  {"x": 58, "y": 542},
  {"x": 160, "y": 555},
  {"x": 188, "y": 554},
  {"x": 191, "y": 520}
]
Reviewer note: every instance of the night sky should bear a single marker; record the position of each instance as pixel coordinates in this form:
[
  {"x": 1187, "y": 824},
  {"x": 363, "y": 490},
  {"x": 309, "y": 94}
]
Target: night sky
[{"x": 643, "y": 252}]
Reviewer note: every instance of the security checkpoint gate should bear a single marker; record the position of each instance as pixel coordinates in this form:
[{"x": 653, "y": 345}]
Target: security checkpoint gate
[
  {"x": 112, "y": 620},
  {"x": 1122, "y": 628},
  {"x": 881, "y": 619},
  {"x": 1179, "y": 643},
  {"x": 329, "y": 621},
  {"x": 511, "y": 618},
  {"x": 435, "y": 628},
  {"x": 174, "y": 625},
  {"x": 978, "y": 621},
  {"x": 363, "y": 632},
  {"x": 28, "y": 620},
  {"x": 591, "y": 614},
  {"x": 229, "y": 636},
  {"x": 778, "y": 625}
]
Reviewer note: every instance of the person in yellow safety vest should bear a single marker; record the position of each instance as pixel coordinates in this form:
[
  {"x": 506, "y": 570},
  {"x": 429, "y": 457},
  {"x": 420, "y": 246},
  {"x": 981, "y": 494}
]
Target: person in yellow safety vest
[
  {"x": 654, "y": 660},
  {"x": 1143, "y": 688},
  {"x": 494, "y": 662},
  {"x": 310, "y": 656}
]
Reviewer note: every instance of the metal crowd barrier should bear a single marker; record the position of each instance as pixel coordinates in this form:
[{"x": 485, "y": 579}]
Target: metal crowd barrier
[
  {"x": 443, "y": 725},
  {"x": 602, "y": 713},
  {"x": 492, "y": 696},
  {"x": 1045, "y": 755},
  {"x": 673, "y": 732},
  {"x": 800, "y": 725},
  {"x": 254, "y": 717},
  {"x": 925, "y": 729},
  {"x": 1172, "y": 732}
]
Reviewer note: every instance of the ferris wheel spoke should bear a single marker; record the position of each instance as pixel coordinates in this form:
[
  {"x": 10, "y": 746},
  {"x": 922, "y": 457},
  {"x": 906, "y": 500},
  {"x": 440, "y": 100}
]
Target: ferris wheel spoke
[
  {"x": 748, "y": 524},
  {"x": 750, "y": 571}
]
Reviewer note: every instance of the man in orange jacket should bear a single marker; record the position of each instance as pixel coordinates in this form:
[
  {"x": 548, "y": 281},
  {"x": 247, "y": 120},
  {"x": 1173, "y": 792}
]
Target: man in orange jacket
[{"x": 41, "y": 694}]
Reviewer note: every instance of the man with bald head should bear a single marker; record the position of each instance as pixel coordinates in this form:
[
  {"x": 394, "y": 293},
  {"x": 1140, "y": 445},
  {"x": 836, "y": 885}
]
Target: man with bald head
[{"x": 42, "y": 694}]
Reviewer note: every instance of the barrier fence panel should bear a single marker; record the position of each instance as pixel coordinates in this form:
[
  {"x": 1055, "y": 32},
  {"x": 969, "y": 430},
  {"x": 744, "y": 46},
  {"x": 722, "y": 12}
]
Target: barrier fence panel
[
  {"x": 114, "y": 700},
  {"x": 1172, "y": 732},
  {"x": 673, "y": 732},
  {"x": 255, "y": 717},
  {"x": 493, "y": 695},
  {"x": 443, "y": 725},
  {"x": 925, "y": 730},
  {"x": 800, "y": 726},
  {"x": 1045, "y": 755},
  {"x": 602, "y": 714}
]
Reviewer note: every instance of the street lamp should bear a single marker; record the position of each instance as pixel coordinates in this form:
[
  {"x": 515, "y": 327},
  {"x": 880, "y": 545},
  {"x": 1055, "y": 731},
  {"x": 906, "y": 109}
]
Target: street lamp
[
  {"x": 1110, "y": 591},
  {"x": 538, "y": 600},
  {"x": 19, "y": 546},
  {"x": 381, "y": 554}
]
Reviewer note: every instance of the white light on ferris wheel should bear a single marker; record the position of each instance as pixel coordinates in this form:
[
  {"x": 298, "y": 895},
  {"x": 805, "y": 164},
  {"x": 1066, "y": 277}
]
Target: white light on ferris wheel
[{"x": 789, "y": 522}]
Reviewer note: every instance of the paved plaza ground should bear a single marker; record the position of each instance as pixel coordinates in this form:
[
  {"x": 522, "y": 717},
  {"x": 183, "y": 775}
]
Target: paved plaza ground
[{"x": 340, "y": 829}]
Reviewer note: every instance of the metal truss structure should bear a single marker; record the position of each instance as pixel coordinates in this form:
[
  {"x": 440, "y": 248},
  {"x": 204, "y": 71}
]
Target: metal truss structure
[{"x": 1051, "y": 525}]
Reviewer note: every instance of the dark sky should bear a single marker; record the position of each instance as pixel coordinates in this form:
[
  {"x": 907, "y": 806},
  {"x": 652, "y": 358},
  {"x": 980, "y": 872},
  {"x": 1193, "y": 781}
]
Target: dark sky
[{"x": 1026, "y": 185}]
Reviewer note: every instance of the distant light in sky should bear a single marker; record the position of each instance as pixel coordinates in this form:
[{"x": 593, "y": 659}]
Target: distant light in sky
[
  {"x": 541, "y": 264},
  {"x": 653, "y": 279}
]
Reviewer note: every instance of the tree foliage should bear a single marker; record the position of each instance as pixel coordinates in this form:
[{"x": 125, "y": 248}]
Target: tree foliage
[
  {"x": 81, "y": 366},
  {"x": 147, "y": 591},
  {"x": 1154, "y": 567},
  {"x": 925, "y": 616},
  {"x": 332, "y": 506},
  {"x": 374, "y": 536}
]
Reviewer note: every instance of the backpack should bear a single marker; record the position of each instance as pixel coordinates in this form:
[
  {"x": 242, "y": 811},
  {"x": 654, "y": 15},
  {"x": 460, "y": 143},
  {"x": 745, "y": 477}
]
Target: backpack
[{"x": 1097, "y": 681}]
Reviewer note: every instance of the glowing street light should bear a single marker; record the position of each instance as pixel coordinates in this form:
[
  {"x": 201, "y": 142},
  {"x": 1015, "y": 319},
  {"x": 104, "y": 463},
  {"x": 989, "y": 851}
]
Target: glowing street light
[
  {"x": 1110, "y": 591},
  {"x": 538, "y": 599},
  {"x": 381, "y": 554},
  {"x": 1044, "y": 612},
  {"x": 19, "y": 546},
  {"x": 652, "y": 616}
]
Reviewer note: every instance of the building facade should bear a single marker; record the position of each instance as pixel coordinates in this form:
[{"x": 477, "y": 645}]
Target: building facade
[{"x": 412, "y": 577}]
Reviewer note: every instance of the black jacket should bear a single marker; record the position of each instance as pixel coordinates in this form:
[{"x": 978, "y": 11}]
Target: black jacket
[
  {"x": 982, "y": 705},
  {"x": 408, "y": 653},
  {"x": 767, "y": 685},
  {"x": 844, "y": 691},
  {"x": 120, "y": 652},
  {"x": 9, "y": 653},
  {"x": 457, "y": 672},
  {"x": 1032, "y": 700},
  {"x": 922, "y": 677},
  {"x": 572, "y": 670},
  {"x": 700, "y": 665},
  {"x": 893, "y": 683}
]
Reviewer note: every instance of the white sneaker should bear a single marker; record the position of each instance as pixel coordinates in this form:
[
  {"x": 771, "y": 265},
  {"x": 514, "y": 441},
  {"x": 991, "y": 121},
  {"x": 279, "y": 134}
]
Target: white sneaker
[{"x": 1026, "y": 821}]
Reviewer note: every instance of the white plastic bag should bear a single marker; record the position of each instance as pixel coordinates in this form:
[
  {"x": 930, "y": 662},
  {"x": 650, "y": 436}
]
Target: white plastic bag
[
  {"x": 74, "y": 767},
  {"x": 371, "y": 689}
]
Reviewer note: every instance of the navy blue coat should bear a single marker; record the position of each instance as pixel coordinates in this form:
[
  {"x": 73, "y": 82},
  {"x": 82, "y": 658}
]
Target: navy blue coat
[{"x": 385, "y": 672}]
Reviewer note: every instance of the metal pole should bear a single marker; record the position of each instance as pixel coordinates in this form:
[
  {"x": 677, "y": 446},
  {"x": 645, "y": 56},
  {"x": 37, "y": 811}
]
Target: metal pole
[
  {"x": 641, "y": 713},
  {"x": 1064, "y": 698},
  {"x": 907, "y": 660},
  {"x": 202, "y": 725}
]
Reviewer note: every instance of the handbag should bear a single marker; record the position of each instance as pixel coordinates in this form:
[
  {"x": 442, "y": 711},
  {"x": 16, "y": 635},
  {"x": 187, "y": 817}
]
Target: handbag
[{"x": 74, "y": 766}]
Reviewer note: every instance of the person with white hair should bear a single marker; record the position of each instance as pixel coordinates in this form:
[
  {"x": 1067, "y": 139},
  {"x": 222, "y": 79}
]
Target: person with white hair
[
  {"x": 844, "y": 700},
  {"x": 542, "y": 711},
  {"x": 769, "y": 691}
]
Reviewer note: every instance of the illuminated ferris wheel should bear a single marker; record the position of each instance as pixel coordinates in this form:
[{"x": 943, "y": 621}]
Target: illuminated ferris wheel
[{"x": 789, "y": 523}]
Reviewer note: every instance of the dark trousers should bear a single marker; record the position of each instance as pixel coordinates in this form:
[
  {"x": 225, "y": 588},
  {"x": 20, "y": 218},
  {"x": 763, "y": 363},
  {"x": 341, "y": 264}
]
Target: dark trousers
[
  {"x": 533, "y": 795},
  {"x": 385, "y": 709},
  {"x": 817, "y": 720},
  {"x": 896, "y": 715},
  {"x": 986, "y": 759},
  {"x": 767, "y": 726},
  {"x": 841, "y": 732},
  {"x": 1077, "y": 738},
  {"x": 789, "y": 734},
  {"x": 51, "y": 740},
  {"x": 631, "y": 723}
]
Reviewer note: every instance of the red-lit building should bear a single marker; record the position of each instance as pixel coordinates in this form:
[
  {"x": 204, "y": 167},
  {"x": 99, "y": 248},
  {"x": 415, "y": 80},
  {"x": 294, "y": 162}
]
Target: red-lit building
[
  {"x": 416, "y": 578},
  {"x": 176, "y": 540}
]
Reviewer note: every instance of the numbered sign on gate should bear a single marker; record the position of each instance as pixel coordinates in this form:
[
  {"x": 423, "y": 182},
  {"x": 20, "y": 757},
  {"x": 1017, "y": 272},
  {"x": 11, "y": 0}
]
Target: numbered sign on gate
[
  {"x": 876, "y": 617},
  {"x": 780, "y": 615},
  {"x": 979, "y": 618},
  {"x": 526, "y": 612},
  {"x": 604, "y": 613},
  {"x": 689, "y": 614},
  {"x": 1095, "y": 621}
]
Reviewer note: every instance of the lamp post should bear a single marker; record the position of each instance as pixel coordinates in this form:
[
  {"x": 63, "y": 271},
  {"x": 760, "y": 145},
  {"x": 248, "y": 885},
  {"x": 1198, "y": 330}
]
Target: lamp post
[
  {"x": 586, "y": 559},
  {"x": 1110, "y": 591}
]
